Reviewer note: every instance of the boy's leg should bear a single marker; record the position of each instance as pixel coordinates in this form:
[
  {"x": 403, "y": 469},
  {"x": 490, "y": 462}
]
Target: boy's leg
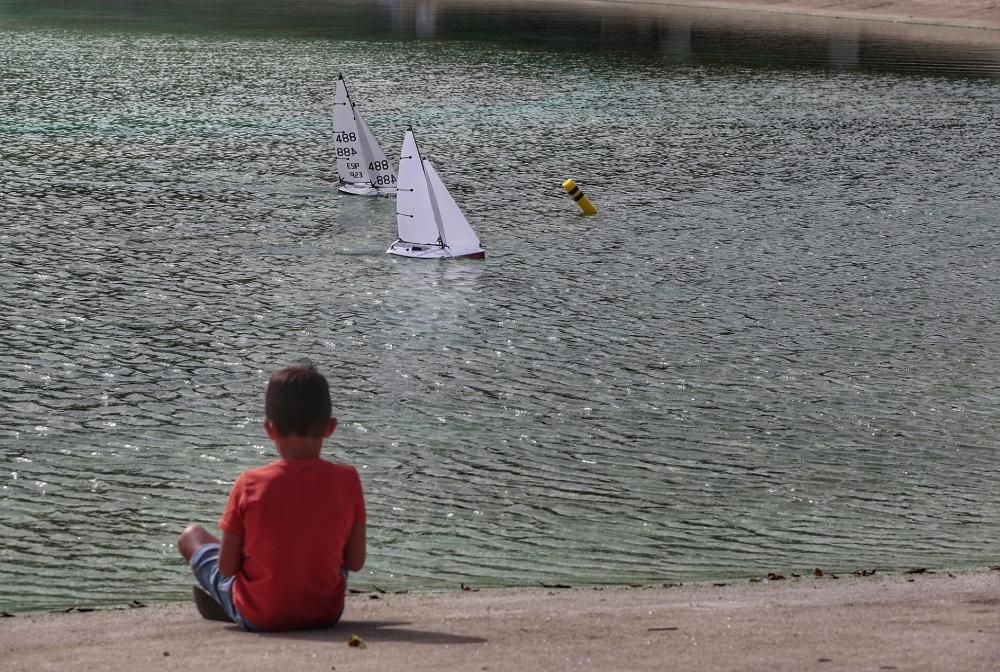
[
  {"x": 193, "y": 537},
  {"x": 200, "y": 549}
]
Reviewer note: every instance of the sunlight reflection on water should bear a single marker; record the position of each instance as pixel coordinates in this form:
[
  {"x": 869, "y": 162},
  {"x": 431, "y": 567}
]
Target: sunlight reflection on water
[{"x": 773, "y": 347}]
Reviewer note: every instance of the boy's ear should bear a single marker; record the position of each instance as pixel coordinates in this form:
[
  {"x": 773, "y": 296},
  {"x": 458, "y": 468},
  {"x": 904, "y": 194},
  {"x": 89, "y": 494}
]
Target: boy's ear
[
  {"x": 272, "y": 431},
  {"x": 330, "y": 426}
]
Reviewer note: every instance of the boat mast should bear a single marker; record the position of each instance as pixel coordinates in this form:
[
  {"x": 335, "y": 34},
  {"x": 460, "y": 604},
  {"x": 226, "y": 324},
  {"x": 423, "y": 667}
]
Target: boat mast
[{"x": 430, "y": 193}]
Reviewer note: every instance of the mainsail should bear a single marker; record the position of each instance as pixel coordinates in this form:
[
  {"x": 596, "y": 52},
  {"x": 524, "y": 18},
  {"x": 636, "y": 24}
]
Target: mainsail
[{"x": 361, "y": 164}]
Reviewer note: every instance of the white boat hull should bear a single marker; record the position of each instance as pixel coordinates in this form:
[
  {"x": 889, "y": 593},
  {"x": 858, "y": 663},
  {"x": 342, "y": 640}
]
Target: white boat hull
[
  {"x": 424, "y": 251},
  {"x": 367, "y": 190}
]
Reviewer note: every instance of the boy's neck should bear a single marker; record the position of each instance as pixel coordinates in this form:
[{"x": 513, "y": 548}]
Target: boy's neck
[{"x": 298, "y": 447}]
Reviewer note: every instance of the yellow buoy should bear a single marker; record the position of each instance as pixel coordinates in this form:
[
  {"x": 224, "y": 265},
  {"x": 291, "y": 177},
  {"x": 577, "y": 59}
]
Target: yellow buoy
[{"x": 578, "y": 196}]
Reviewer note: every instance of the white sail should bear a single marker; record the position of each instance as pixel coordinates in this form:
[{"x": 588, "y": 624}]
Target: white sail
[
  {"x": 455, "y": 229},
  {"x": 380, "y": 173},
  {"x": 415, "y": 219},
  {"x": 430, "y": 224},
  {"x": 361, "y": 164},
  {"x": 351, "y": 166}
]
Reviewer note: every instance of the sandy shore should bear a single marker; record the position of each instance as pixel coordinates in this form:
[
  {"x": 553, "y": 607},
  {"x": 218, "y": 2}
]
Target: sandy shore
[{"x": 937, "y": 621}]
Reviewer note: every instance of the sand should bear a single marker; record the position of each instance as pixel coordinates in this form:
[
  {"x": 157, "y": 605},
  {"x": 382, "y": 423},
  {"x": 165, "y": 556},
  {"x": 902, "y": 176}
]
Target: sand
[{"x": 939, "y": 621}]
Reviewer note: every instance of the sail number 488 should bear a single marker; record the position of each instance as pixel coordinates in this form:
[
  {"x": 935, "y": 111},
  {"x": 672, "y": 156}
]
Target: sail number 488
[
  {"x": 378, "y": 165},
  {"x": 346, "y": 137}
]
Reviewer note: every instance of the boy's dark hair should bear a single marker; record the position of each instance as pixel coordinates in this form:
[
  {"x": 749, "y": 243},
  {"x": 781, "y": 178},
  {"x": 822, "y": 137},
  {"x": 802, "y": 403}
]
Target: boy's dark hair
[{"x": 298, "y": 401}]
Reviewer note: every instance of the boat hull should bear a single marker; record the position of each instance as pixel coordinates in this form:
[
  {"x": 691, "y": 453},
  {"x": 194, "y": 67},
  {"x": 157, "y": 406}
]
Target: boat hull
[
  {"x": 422, "y": 251},
  {"x": 366, "y": 190}
]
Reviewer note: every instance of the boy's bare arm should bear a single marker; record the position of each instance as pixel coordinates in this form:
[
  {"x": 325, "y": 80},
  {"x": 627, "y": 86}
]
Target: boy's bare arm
[
  {"x": 231, "y": 554},
  {"x": 356, "y": 548}
]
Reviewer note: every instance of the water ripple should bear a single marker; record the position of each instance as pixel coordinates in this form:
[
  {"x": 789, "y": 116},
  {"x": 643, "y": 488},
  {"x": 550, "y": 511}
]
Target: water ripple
[{"x": 772, "y": 350}]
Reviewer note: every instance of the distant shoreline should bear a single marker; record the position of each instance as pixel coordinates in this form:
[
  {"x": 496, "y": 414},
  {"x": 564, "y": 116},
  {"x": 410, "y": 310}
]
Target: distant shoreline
[
  {"x": 978, "y": 14},
  {"x": 965, "y": 14}
]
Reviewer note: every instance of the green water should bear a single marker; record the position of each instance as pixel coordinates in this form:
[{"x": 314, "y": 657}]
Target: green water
[{"x": 773, "y": 349}]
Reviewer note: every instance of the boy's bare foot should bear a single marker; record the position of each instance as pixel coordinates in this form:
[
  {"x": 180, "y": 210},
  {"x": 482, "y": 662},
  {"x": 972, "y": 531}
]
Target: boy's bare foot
[{"x": 209, "y": 608}]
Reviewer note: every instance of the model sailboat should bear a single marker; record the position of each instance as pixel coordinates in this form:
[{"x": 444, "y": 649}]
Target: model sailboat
[
  {"x": 361, "y": 163},
  {"x": 429, "y": 221}
]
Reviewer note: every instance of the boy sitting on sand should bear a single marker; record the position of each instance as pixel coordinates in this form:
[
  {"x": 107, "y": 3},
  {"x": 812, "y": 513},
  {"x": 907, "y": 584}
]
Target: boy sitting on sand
[{"x": 292, "y": 529}]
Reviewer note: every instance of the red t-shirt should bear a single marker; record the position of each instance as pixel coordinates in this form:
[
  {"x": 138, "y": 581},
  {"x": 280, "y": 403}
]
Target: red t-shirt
[{"x": 296, "y": 517}]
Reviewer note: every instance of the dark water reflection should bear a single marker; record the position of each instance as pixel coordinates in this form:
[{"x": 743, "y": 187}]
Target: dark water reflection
[{"x": 675, "y": 34}]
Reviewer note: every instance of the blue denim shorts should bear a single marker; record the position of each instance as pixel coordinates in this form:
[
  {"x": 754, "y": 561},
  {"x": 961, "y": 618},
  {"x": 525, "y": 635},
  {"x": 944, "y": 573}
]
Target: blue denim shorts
[{"x": 205, "y": 565}]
